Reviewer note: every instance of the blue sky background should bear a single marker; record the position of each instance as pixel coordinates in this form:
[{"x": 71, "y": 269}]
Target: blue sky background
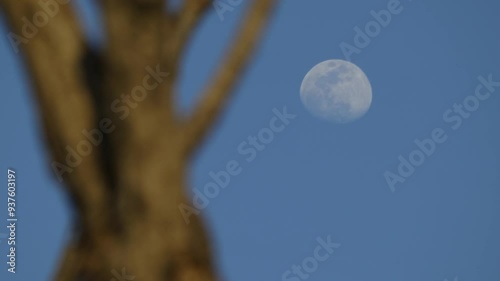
[{"x": 316, "y": 178}]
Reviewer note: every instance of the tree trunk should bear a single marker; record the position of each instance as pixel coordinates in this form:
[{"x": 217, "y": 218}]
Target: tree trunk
[
  {"x": 150, "y": 240},
  {"x": 131, "y": 180}
]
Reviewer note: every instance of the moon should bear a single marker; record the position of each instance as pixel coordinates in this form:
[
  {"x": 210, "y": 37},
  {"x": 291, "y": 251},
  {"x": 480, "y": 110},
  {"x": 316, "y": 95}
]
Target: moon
[{"x": 337, "y": 91}]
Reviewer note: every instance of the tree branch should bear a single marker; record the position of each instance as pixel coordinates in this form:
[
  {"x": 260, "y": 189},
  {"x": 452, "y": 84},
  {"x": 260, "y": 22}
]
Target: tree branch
[
  {"x": 137, "y": 32},
  {"x": 214, "y": 99},
  {"x": 189, "y": 16},
  {"x": 53, "y": 56}
]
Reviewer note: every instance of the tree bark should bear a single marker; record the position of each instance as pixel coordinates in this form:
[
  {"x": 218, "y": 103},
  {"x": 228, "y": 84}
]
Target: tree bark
[{"x": 127, "y": 191}]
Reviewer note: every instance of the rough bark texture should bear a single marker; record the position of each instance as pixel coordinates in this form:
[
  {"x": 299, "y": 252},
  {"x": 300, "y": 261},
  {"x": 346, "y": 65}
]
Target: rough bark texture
[{"x": 126, "y": 192}]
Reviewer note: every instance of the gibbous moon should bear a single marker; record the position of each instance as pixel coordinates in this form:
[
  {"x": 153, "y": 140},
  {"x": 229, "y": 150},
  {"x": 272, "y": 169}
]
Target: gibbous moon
[{"x": 336, "y": 91}]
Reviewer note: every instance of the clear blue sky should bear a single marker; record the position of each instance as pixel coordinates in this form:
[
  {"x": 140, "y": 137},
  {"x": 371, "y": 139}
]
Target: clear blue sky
[{"x": 316, "y": 178}]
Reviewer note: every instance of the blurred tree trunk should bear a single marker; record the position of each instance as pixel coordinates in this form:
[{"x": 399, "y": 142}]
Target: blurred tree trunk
[{"x": 127, "y": 189}]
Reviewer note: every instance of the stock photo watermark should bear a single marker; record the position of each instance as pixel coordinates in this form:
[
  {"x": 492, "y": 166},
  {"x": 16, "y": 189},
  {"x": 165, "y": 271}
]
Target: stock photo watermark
[
  {"x": 454, "y": 116},
  {"x": 12, "y": 219},
  {"x": 48, "y": 10},
  {"x": 249, "y": 148},
  {"x": 121, "y": 277},
  {"x": 310, "y": 264},
  {"x": 122, "y": 107},
  {"x": 224, "y": 6},
  {"x": 364, "y": 36}
]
